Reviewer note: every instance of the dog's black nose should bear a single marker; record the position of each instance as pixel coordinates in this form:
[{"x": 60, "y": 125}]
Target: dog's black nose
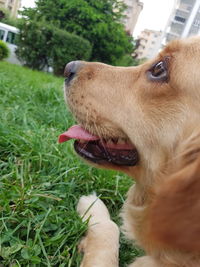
[{"x": 71, "y": 69}]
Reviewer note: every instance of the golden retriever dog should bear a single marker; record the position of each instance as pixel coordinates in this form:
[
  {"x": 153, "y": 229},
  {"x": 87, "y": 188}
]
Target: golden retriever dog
[{"x": 144, "y": 121}]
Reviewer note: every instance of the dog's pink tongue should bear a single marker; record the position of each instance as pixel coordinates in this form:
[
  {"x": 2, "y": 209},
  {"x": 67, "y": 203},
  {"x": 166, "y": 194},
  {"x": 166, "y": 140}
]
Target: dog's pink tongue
[{"x": 76, "y": 132}]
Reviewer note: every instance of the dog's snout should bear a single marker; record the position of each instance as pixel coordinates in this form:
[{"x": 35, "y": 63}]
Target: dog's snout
[
  {"x": 71, "y": 67},
  {"x": 71, "y": 70}
]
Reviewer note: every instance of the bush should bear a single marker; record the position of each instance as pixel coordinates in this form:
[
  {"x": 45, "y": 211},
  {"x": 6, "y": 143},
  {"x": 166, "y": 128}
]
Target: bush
[
  {"x": 41, "y": 45},
  {"x": 67, "y": 47},
  {"x": 4, "y": 50}
]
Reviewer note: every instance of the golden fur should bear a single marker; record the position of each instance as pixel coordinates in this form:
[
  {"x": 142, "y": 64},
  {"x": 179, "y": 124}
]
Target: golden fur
[{"x": 162, "y": 119}]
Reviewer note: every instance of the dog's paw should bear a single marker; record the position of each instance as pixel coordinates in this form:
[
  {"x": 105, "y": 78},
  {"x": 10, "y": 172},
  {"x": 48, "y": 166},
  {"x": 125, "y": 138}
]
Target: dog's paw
[{"x": 92, "y": 206}]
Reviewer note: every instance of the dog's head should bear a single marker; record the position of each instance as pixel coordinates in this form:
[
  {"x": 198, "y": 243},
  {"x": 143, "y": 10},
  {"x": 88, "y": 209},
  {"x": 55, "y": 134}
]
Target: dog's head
[{"x": 133, "y": 117}]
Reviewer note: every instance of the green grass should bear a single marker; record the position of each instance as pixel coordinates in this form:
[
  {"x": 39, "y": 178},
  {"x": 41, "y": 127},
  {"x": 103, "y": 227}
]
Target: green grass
[{"x": 41, "y": 180}]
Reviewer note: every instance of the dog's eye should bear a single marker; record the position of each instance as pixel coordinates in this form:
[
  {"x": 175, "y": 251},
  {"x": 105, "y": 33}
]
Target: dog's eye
[{"x": 158, "y": 72}]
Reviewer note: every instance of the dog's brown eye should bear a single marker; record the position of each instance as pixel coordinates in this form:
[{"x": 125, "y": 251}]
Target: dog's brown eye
[{"x": 158, "y": 72}]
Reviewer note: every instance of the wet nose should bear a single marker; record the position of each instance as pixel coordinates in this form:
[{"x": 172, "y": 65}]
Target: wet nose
[{"x": 71, "y": 70}]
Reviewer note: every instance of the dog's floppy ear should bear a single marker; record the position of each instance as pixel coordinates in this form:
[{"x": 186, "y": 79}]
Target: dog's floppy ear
[{"x": 174, "y": 216}]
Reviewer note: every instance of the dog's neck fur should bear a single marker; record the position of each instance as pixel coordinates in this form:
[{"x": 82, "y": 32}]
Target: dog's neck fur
[{"x": 184, "y": 151}]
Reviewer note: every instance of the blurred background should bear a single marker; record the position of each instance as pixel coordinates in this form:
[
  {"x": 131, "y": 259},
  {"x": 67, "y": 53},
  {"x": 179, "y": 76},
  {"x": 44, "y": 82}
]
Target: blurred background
[{"x": 119, "y": 32}]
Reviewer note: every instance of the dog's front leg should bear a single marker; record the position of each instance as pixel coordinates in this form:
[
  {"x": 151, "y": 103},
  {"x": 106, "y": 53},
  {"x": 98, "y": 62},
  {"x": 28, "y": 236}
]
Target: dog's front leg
[
  {"x": 101, "y": 243},
  {"x": 146, "y": 261}
]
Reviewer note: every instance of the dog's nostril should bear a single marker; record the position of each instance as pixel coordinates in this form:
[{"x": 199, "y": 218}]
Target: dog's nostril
[{"x": 70, "y": 77}]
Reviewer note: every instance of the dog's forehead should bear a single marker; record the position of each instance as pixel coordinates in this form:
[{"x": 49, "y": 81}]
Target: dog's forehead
[{"x": 190, "y": 45}]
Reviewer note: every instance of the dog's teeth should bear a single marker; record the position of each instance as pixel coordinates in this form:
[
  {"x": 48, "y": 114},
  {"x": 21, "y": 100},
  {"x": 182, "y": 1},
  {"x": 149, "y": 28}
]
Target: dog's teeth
[
  {"x": 110, "y": 142},
  {"x": 121, "y": 141}
]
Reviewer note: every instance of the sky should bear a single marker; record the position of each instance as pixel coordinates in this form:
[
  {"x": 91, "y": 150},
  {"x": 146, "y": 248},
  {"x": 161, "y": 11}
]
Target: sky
[
  {"x": 28, "y": 3},
  {"x": 154, "y": 15}
]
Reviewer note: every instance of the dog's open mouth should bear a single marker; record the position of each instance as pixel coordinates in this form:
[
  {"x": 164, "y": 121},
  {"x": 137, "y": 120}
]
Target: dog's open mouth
[{"x": 101, "y": 151}]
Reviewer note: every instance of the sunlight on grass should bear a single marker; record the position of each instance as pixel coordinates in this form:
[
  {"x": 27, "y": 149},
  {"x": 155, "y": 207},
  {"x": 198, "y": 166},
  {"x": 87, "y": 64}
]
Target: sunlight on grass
[{"x": 41, "y": 181}]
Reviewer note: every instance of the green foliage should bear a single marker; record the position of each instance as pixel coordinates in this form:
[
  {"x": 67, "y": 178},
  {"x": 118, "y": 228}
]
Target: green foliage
[
  {"x": 6, "y": 18},
  {"x": 127, "y": 60},
  {"x": 4, "y": 50},
  {"x": 41, "y": 45},
  {"x": 97, "y": 21},
  {"x": 68, "y": 47},
  {"x": 41, "y": 180}
]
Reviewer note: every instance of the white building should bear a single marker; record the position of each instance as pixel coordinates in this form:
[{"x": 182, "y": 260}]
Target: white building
[
  {"x": 149, "y": 44},
  {"x": 185, "y": 20},
  {"x": 8, "y": 35},
  {"x": 12, "y": 5},
  {"x": 134, "y": 7}
]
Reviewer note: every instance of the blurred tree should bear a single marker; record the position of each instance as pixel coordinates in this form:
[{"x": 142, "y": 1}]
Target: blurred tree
[
  {"x": 42, "y": 45},
  {"x": 97, "y": 21}
]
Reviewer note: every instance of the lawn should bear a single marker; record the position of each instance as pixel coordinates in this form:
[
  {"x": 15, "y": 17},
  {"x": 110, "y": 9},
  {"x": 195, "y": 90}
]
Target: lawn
[{"x": 41, "y": 180}]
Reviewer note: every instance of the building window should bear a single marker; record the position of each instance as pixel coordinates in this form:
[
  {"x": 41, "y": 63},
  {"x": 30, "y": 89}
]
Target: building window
[
  {"x": 2, "y": 33},
  {"x": 177, "y": 28},
  {"x": 180, "y": 19},
  {"x": 197, "y": 23},
  {"x": 11, "y": 38},
  {"x": 186, "y": 6}
]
